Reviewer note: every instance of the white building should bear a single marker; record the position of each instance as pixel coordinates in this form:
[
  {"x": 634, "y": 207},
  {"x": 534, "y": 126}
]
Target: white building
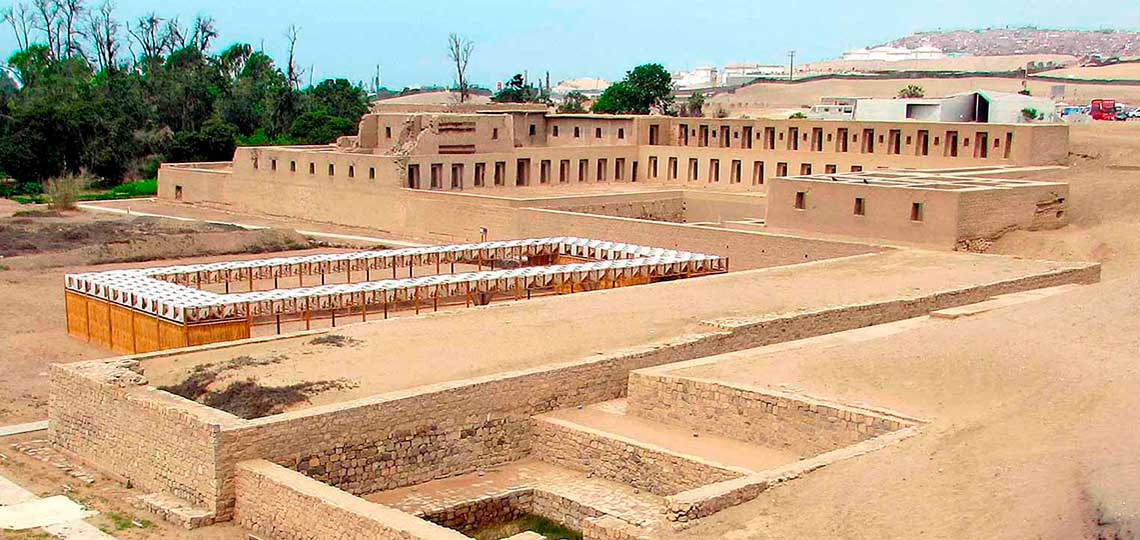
[
  {"x": 743, "y": 73},
  {"x": 701, "y": 77},
  {"x": 974, "y": 106},
  {"x": 894, "y": 54}
]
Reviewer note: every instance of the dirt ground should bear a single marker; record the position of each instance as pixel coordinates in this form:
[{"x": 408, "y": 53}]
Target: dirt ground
[
  {"x": 1104, "y": 202},
  {"x": 518, "y": 335},
  {"x": 31, "y": 285},
  {"x": 1032, "y": 409}
]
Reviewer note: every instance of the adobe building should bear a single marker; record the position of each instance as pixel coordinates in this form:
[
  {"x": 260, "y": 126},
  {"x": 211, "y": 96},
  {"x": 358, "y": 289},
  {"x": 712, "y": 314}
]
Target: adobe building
[{"x": 445, "y": 177}]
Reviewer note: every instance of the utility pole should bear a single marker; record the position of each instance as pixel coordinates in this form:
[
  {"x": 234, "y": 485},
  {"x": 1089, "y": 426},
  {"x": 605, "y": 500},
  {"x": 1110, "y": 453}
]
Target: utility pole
[{"x": 791, "y": 64}]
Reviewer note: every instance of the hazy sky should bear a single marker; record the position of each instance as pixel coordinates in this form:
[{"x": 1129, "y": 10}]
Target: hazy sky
[{"x": 580, "y": 38}]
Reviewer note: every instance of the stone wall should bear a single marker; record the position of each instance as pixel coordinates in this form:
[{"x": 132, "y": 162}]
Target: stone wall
[
  {"x": 409, "y": 437},
  {"x": 510, "y": 505},
  {"x": 487, "y": 511},
  {"x": 769, "y": 418},
  {"x": 657, "y": 470},
  {"x": 285, "y": 505},
  {"x": 158, "y": 441}
]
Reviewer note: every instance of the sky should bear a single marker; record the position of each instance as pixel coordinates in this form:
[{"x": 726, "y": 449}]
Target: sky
[{"x": 590, "y": 38}]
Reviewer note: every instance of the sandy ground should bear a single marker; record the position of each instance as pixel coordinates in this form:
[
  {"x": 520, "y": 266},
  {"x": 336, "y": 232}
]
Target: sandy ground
[
  {"x": 1104, "y": 202},
  {"x": 399, "y": 354},
  {"x": 33, "y": 318},
  {"x": 758, "y": 98},
  {"x": 610, "y": 417},
  {"x": 433, "y": 98},
  {"x": 1030, "y": 437},
  {"x": 1115, "y": 71}
]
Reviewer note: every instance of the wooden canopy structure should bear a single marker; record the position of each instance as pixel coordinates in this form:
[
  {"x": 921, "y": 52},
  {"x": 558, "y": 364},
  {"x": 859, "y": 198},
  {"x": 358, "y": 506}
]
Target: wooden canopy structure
[{"x": 142, "y": 310}]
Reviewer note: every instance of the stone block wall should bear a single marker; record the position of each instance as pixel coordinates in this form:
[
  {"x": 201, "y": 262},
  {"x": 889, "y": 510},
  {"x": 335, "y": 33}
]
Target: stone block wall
[
  {"x": 448, "y": 429},
  {"x": 652, "y": 468},
  {"x": 101, "y": 411},
  {"x": 775, "y": 419},
  {"x": 285, "y": 505},
  {"x": 474, "y": 514}
]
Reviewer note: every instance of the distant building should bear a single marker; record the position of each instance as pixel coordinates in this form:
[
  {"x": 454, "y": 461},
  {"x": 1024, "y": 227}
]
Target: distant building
[
  {"x": 894, "y": 54},
  {"x": 590, "y": 87},
  {"x": 975, "y": 106},
  {"x": 701, "y": 77},
  {"x": 743, "y": 73}
]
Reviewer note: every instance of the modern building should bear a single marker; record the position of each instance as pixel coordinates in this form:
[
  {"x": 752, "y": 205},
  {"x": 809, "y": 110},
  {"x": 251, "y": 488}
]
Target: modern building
[
  {"x": 894, "y": 54},
  {"x": 983, "y": 106}
]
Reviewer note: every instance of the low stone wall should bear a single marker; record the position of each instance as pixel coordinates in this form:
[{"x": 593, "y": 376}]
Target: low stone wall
[
  {"x": 802, "y": 424},
  {"x": 712, "y": 498},
  {"x": 413, "y": 436},
  {"x": 513, "y": 504},
  {"x": 657, "y": 470},
  {"x": 101, "y": 411},
  {"x": 285, "y": 505},
  {"x": 484, "y": 512},
  {"x": 174, "y": 446}
]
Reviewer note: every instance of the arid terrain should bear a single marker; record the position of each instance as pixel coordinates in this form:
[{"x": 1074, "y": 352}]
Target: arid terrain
[{"x": 1030, "y": 405}]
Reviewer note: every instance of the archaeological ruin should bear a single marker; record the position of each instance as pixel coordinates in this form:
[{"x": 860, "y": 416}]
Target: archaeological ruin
[{"x": 630, "y": 409}]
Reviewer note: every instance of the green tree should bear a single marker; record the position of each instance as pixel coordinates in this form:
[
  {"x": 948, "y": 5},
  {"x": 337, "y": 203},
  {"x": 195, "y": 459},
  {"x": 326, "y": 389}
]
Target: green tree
[
  {"x": 574, "y": 102},
  {"x": 644, "y": 88},
  {"x": 519, "y": 91}
]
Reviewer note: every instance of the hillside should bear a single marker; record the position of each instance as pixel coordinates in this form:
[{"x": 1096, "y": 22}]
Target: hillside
[{"x": 1007, "y": 41}]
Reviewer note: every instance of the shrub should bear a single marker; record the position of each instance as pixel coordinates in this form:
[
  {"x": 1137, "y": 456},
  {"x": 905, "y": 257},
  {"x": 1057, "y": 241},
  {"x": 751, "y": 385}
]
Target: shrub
[
  {"x": 63, "y": 192},
  {"x": 797, "y": 116},
  {"x": 1031, "y": 114},
  {"x": 912, "y": 91}
]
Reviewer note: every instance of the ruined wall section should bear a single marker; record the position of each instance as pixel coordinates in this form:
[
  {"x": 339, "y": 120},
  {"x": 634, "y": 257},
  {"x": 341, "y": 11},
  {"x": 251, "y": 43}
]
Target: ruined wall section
[
  {"x": 159, "y": 442},
  {"x": 285, "y": 505}
]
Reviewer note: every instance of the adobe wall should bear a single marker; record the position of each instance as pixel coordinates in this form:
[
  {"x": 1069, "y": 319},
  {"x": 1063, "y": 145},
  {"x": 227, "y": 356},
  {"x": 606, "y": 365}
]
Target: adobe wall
[
  {"x": 158, "y": 441},
  {"x": 830, "y": 208},
  {"x": 744, "y": 249},
  {"x": 590, "y": 130},
  {"x": 284, "y": 505},
  {"x": 990, "y": 214},
  {"x": 799, "y": 140},
  {"x": 769, "y": 418},
  {"x": 654, "y": 469},
  {"x": 717, "y": 206}
]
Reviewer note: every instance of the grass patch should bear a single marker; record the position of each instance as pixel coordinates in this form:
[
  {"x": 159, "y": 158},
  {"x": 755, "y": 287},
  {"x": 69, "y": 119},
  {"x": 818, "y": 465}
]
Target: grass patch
[
  {"x": 122, "y": 522},
  {"x": 529, "y": 522},
  {"x": 129, "y": 190},
  {"x": 334, "y": 340},
  {"x": 247, "y": 398}
]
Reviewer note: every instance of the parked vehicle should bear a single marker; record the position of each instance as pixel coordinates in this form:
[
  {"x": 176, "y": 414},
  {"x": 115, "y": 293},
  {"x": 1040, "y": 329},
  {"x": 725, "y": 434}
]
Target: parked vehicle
[{"x": 1103, "y": 109}]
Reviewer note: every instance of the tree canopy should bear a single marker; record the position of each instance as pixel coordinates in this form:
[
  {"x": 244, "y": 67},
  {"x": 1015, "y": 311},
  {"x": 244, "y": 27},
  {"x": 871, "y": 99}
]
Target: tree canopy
[
  {"x": 646, "y": 87},
  {"x": 517, "y": 90},
  {"x": 82, "y": 105}
]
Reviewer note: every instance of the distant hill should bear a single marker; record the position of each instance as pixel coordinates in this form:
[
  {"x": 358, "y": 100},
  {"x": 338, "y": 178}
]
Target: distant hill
[{"x": 1008, "y": 41}]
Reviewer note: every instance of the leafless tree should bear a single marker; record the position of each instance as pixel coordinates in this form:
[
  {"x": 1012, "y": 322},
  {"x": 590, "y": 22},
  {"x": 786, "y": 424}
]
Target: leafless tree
[
  {"x": 204, "y": 32},
  {"x": 173, "y": 36},
  {"x": 459, "y": 51},
  {"x": 20, "y": 18},
  {"x": 71, "y": 16},
  {"x": 46, "y": 19},
  {"x": 103, "y": 31},
  {"x": 147, "y": 33},
  {"x": 292, "y": 72}
]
